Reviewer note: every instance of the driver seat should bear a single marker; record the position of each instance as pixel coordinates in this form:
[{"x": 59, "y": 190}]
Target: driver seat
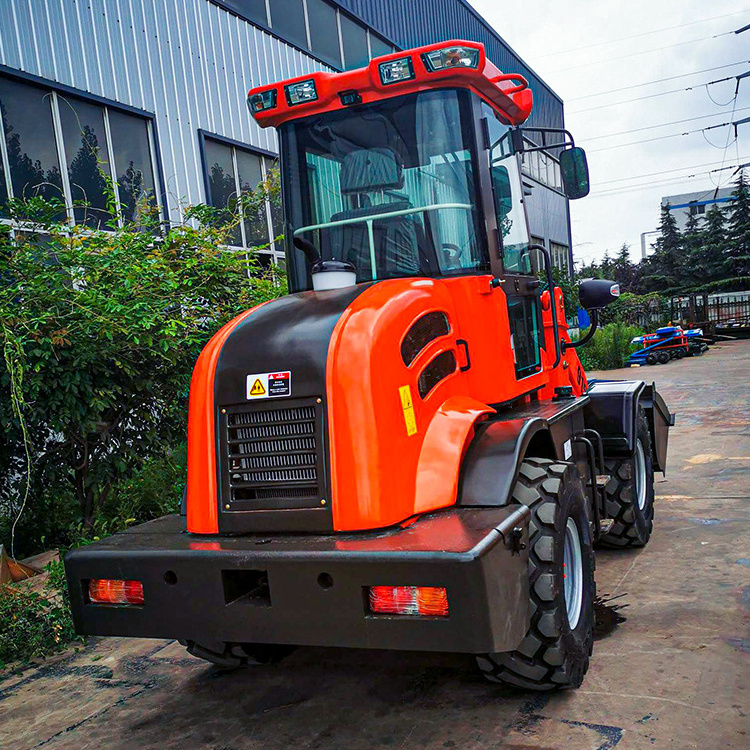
[{"x": 399, "y": 241}]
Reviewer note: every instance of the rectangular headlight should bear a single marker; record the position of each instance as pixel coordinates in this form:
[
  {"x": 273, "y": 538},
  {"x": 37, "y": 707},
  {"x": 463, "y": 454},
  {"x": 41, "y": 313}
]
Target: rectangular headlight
[
  {"x": 261, "y": 101},
  {"x": 451, "y": 57},
  {"x": 301, "y": 92},
  {"x": 394, "y": 71}
]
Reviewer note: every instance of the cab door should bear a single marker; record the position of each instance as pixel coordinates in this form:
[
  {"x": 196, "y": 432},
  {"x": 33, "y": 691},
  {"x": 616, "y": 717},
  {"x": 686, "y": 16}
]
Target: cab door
[{"x": 519, "y": 283}]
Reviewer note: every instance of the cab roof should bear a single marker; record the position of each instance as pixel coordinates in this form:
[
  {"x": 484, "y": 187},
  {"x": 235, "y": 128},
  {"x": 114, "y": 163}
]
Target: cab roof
[{"x": 274, "y": 105}]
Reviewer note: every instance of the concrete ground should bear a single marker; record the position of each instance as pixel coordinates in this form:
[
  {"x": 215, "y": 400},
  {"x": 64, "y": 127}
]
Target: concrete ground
[{"x": 676, "y": 674}]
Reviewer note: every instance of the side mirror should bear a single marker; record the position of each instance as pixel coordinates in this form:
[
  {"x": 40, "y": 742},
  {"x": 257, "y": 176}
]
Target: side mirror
[
  {"x": 575, "y": 172},
  {"x": 597, "y": 293}
]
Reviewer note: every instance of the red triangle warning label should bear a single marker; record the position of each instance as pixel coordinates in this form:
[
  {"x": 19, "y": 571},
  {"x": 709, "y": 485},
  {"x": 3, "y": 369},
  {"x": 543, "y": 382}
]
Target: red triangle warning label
[{"x": 257, "y": 389}]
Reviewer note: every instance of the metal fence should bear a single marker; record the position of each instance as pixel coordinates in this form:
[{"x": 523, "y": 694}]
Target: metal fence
[{"x": 728, "y": 310}]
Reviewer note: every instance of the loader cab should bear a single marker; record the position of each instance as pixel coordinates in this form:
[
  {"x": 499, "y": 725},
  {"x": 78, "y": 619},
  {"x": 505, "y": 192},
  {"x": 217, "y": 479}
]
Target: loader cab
[{"x": 421, "y": 185}]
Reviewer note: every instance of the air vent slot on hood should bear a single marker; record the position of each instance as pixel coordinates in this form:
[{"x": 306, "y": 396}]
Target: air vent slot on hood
[
  {"x": 428, "y": 328},
  {"x": 440, "y": 367}
]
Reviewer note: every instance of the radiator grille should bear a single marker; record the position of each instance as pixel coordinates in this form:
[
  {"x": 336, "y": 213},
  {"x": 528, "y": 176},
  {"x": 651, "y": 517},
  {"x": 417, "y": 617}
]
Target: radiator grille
[
  {"x": 428, "y": 328},
  {"x": 272, "y": 457}
]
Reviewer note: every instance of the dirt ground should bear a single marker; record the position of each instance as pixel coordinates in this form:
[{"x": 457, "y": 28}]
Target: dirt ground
[{"x": 675, "y": 674}]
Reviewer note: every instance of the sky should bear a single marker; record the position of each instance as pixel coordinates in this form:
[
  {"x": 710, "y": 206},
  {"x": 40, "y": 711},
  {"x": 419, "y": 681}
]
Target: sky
[{"x": 582, "y": 49}]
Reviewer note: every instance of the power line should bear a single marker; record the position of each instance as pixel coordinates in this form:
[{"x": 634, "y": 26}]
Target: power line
[
  {"x": 663, "y": 125},
  {"x": 662, "y": 137},
  {"x": 644, "y": 33},
  {"x": 654, "y": 96},
  {"x": 663, "y": 171},
  {"x": 658, "y": 183},
  {"x": 659, "y": 80},
  {"x": 644, "y": 52}
]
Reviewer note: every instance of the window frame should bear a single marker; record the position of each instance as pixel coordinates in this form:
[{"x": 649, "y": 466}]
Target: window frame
[
  {"x": 268, "y": 28},
  {"x": 277, "y": 255},
  {"x": 58, "y": 89}
]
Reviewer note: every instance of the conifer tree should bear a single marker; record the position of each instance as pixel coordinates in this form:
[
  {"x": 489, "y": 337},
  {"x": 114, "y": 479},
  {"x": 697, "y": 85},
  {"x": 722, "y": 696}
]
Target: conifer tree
[{"x": 738, "y": 228}]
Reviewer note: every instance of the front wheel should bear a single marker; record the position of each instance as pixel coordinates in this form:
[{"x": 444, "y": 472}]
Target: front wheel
[
  {"x": 555, "y": 651},
  {"x": 630, "y": 492}
]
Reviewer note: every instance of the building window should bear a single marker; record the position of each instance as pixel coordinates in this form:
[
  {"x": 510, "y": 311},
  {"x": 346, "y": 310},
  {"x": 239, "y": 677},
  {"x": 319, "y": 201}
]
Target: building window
[
  {"x": 324, "y": 32},
  {"x": 697, "y": 210},
  {"x": 354, "y": 43},
  {"x": 560, "y": 256},
  {"x": 542, "y": 167},
  {"x": 288, "y": 19},
  {"x": 231, "y": 171},
  {"x": 55, "y": 145},
  {"x": 317, "y": 26}
]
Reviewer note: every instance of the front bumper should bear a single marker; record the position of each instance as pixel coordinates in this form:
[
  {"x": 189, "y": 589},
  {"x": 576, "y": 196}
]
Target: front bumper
[{"x": 312, "y": 590}]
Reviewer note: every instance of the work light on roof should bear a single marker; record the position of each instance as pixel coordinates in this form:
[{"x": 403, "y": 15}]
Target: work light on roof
[
  {"x": 394, "y": 71},
  {"x": 451, "y": 57},
  {"x": 263, "y": 100},
  {"x": 301, "y": 92}
]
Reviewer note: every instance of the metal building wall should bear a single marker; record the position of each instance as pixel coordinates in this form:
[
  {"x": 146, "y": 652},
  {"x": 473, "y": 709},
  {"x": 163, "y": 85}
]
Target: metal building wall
[
  {"x": 187, "y": 61},
  {"x": 410, "y": 23}
]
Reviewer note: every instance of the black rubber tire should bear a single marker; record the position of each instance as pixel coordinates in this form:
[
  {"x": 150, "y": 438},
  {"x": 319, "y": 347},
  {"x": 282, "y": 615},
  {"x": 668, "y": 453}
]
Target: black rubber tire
[
  {"x": 663, "y": 358},
  {"x": 234, "y": 655},
  {"x": 551, "y": 655},
  {"x": 680, "y": 353},
  {"x": 633, "y": 525},
  {"x": 651, "y": 359}
]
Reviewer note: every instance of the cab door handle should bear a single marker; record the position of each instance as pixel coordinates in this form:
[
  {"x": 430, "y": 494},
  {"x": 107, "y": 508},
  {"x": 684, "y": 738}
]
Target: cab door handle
[{"x": 465, "y": 345}]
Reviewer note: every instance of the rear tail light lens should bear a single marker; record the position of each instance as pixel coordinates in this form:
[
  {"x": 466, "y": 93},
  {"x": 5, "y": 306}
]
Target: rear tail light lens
[
  {"x": 394, "y": 71},
  {"x": 301, "y": 92},
  {"x": 262, "y": 101},
  {"x": 451, "y": 57},
  {"x": 422, "y": 601},
  {"x": 115, "y": 591}
]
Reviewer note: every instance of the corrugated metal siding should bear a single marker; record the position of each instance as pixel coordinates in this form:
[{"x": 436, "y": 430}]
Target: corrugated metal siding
[
  {"x": 410, "y": 23},
  {"x": 187, "y": 61}
]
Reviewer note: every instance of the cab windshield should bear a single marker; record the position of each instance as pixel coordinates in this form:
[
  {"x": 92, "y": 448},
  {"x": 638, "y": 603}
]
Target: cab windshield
[{"x": 387, "y": 187}]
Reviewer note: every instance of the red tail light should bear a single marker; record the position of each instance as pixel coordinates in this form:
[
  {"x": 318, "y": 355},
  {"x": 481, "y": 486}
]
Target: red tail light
[
  {"x": 113, "y": 591},
  {"x": 424, "y": 601}
]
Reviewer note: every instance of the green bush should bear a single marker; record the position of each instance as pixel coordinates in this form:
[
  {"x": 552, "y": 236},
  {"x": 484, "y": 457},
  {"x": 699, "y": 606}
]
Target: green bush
[
  {"x": 99, "y": 332},
  {"x": 610, "y": 347},
  {"x": 34, "y": 625}
]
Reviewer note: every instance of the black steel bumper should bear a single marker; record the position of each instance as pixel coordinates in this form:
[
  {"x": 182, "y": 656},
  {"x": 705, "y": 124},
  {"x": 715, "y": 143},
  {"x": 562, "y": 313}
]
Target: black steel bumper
[{"x": 312, "y": 590}]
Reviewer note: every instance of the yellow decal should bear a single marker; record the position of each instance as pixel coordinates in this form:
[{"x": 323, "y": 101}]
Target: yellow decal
[
  {"x": 406, "y": 404},
  {"x": 257, "y": 389}
]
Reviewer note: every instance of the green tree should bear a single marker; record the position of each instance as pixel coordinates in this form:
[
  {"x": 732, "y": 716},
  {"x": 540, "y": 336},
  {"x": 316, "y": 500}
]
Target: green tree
[
  {"x": 692, "y": 242},
  {"x": 711, "y": 257},
  {"x": 738, "y": 225},
  {"x": 664, "y": 268}
]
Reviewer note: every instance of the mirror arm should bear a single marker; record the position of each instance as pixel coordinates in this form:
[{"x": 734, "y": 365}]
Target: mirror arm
[
  {"x": 585, "y": 340},
  {"x": 551, "y": 288},
  {"x": 519, "y": 145}
]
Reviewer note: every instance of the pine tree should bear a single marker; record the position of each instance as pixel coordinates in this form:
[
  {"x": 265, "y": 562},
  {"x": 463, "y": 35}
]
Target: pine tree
[
  {"x": 713, "y": 259},
  {"x": 738, "y": 229},
  {"x": 664, "y": 268},
  {"x": 694, "y": 267}
]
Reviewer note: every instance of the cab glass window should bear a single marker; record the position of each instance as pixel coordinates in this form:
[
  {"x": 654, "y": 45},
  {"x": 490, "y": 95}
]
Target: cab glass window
[
  {"x": 508, "y": 196},
  {"x": 523, "y": 312}
]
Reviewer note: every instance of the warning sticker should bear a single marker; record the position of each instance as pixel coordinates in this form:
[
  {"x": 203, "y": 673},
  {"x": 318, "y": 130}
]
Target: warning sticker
[
  {"x": 269, "y": 384},
  {"x": 406, "y": 404}
]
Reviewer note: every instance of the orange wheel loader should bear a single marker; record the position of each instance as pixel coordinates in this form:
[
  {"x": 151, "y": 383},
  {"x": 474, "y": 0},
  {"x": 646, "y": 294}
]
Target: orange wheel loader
[{"x": 404, "y": 452}]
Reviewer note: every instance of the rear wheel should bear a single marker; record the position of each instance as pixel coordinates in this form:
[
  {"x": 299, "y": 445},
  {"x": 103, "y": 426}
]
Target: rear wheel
[
  {"x": 555, "y": 651},
  {"x": 663, "y": 358},
  {"x": 630, "y": 492},
  {"x": 651, "y": 359}
]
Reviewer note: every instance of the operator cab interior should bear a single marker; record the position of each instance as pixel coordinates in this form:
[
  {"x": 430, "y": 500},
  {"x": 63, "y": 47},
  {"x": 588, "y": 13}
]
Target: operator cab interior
[{"x": 392, "y": 188}]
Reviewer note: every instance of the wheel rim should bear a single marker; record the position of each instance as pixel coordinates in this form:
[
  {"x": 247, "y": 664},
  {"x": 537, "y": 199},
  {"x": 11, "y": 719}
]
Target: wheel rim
[
  {"x": 640, "y": 474},
  {"x": 573, "y": 573}
]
